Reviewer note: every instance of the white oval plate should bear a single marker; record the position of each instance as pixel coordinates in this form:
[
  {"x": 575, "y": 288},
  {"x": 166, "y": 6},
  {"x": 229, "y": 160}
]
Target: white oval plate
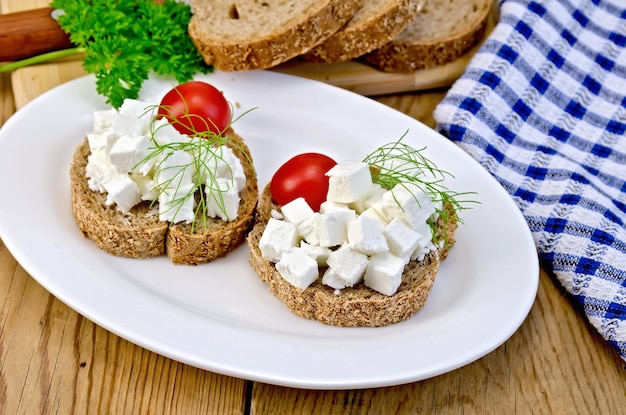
[{"x": 219, "y": 316}]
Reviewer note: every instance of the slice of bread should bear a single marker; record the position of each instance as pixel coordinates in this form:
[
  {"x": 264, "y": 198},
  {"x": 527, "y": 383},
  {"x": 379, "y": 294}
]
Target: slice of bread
[
  {"x": 442, "y": 31},
  {"x": 373, "y": 25},
  {"x": 358, "y": 306},
  {"x": 257, "y": 34},
  {"x": 140, "y": 233}
]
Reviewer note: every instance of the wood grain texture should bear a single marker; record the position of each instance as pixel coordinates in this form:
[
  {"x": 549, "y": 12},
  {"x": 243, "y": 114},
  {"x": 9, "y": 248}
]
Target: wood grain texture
[{"x": 52, "y": 360}]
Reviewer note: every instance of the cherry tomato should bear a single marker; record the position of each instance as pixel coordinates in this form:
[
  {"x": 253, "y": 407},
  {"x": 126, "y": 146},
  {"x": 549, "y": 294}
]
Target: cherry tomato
[
  {"x": 302, "y": 176},
  {"x": 196, "y": 107}
]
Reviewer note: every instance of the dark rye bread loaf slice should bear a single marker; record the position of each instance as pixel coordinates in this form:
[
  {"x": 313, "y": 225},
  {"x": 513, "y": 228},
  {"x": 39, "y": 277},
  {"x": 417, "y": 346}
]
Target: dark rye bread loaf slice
[
  {"x": 140, "y": 233},
  {"x": 442, "y": 31},
  {"x": 258, "y": 34},
  {"x": 373, "y": 25},
  {"x": 358, "y": 306}
]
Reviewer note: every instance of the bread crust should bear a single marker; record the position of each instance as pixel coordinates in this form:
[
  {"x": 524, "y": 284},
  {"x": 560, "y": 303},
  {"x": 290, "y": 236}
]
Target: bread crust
[
  {"x": 140, "y": 233},
  {"x": 363, "y": 34},
  {"x": 406, "y": 55},
  {"x": 358, "y": 306},
  {"x": 267, "y": 51}
]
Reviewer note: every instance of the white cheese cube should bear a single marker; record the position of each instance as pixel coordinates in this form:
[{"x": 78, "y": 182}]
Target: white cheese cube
[
  {"x": 147, "y": 186},
  {"x": 408, "y": 202},
  {"x": 373, "y": 214},
  {"x": 278, "y": 237},
  {"x": 401, "y": 238},
  {"x": 425, "y": 243},
  {"x": 373, "y": 195},
  {"x": 332, "y": 227},
  {"x": 348, "y": 181},
  {"x": 177, "y": 169},
  {"x": 222, "y": 162},
  {"x": 124, "y": 124},
  {"x": 102, "y": 140},
  {"x": 129, "y": 154},
  {"x": 103, "y": 119},
  {"x": 365, "y": 235},
  {"x": 318, "y": 253},
  {"x": 122, "y": 191},
  {"x": 99, "y": 170},
  {"x": 297, "y": 211},
  {"x": 308, "y": 230},
  {"x": 142, "y": 111},
  {"x": 328, "y": 206},
  {"x": 222, "y": 199},
  {"x": 333, "y": 280},
  {"x": 177, "y": 204},
  {"x": 348, "y": 264},
  {"x": 384, "y": 273},
  {"x": 299, "y": 269},
  {"x": 164, "y": 133}
]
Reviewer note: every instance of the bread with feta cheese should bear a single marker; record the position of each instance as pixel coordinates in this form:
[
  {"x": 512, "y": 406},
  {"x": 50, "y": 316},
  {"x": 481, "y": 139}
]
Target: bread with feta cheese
[
  {"x": 358, "y": 306},
  {"x": 373, "y": 25},
  {"x": 251, "y": 34},
  {"x": 140, "y": 233},
  {"x": 442, "y": 31}
]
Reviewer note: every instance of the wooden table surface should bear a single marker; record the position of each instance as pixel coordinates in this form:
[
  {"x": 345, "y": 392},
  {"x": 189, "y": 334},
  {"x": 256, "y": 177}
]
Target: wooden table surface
[{"x": 53, "y": 360}]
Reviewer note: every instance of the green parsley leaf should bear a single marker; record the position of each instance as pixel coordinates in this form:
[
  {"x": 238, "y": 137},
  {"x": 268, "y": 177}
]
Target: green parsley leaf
[{"x": 125, "y": 40}]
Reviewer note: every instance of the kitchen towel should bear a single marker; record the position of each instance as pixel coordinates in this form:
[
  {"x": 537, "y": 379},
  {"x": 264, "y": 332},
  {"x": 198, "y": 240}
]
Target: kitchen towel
[{"x": 542, "y": 106}]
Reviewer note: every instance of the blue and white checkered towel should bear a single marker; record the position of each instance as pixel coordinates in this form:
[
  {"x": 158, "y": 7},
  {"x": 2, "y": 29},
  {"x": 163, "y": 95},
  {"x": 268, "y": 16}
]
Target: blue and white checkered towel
[{"x": 542, "y": 106}]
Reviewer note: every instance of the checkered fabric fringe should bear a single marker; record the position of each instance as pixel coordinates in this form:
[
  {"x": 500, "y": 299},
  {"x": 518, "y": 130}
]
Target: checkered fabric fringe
[{"x": 542, "y": 106}]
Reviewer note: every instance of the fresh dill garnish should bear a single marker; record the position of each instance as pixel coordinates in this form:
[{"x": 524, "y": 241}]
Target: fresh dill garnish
[
  {"x": 123, "y": 41},
  {"x": 206, "y": 156},
  {"x": 398, "y": 163}
]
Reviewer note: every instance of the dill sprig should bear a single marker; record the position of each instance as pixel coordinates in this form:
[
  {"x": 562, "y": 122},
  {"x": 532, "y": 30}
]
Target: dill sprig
[
  {"x": 398, "y": 163},
  {"x": 206, "y": 156}
]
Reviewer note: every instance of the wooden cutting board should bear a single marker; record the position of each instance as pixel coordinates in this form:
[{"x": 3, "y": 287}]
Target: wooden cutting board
[{"x": 351, "y": 75}]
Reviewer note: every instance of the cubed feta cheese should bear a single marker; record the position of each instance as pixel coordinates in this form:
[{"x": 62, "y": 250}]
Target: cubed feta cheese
[
  {"x": 384, "y": 273},
  {"x": 222, "y": 162},
  {"x": 101, "y": 140},
  {"x": 374, "y": 194},
  {"x": 333, "y": 280},
  {"x": 348, "y": 181},
  {"x": 177, "y": 169},
  {"x": 307, "y": 229},
  {"x": 129, "y": 154},
  {"x": 408, "y": 202},
  {"x": 332, "y": 227},
  {"x": 318, "y": 253},
  {"x": 222, "y": 199},
  {"x": 99, "y": 170},
  {"x": 122, "y": 191},
  {"x": 103, "y": 119},
  {"x": 147, "y": 186},
  {"x": 365, "y": 235},
  {"x": 278, "y": 237},
  {"x": 328, "y": 206},
  {"x": 348, "y": 264},
  {"x": 297, "y": 210},
  {"x": 164, "y": 133},
  {"x": 401, "y": 238},
  {"x": 177, "y": 204},
  {"x": 373, "y": 214},
  {"x": 297, "y": 268}
]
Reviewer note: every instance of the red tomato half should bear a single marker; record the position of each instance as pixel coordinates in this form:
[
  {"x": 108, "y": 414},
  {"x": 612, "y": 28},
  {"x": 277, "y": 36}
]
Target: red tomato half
[
  {"x": 196, "y": 107},
  {"x": 302, "y": 176}
]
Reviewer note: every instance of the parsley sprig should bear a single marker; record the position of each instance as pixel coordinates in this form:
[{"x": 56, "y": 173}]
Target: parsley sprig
[
  {"x": 398, "y": 163},
  {"x": 123, "y": 41}
]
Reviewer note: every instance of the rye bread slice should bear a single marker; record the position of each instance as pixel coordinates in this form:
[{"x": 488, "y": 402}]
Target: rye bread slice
[
  {"x": 442, "y": 31},
  {"x": 251, "y": 34},
  {"x": 358, "y": 306},
  {"x": 376, "y": 23},
  {"x": 140, "y": 233}
]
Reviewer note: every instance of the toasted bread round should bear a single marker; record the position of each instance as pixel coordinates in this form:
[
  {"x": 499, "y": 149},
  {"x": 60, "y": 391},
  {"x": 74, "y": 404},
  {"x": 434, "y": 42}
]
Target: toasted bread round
[
  {"x": 373, "y": 25},
  {"x": 140, "y": 233},
  {"x": 358, "y": 306},
  {"x": 254, "y": 34},
  {"x": 442, "y": 31}
]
